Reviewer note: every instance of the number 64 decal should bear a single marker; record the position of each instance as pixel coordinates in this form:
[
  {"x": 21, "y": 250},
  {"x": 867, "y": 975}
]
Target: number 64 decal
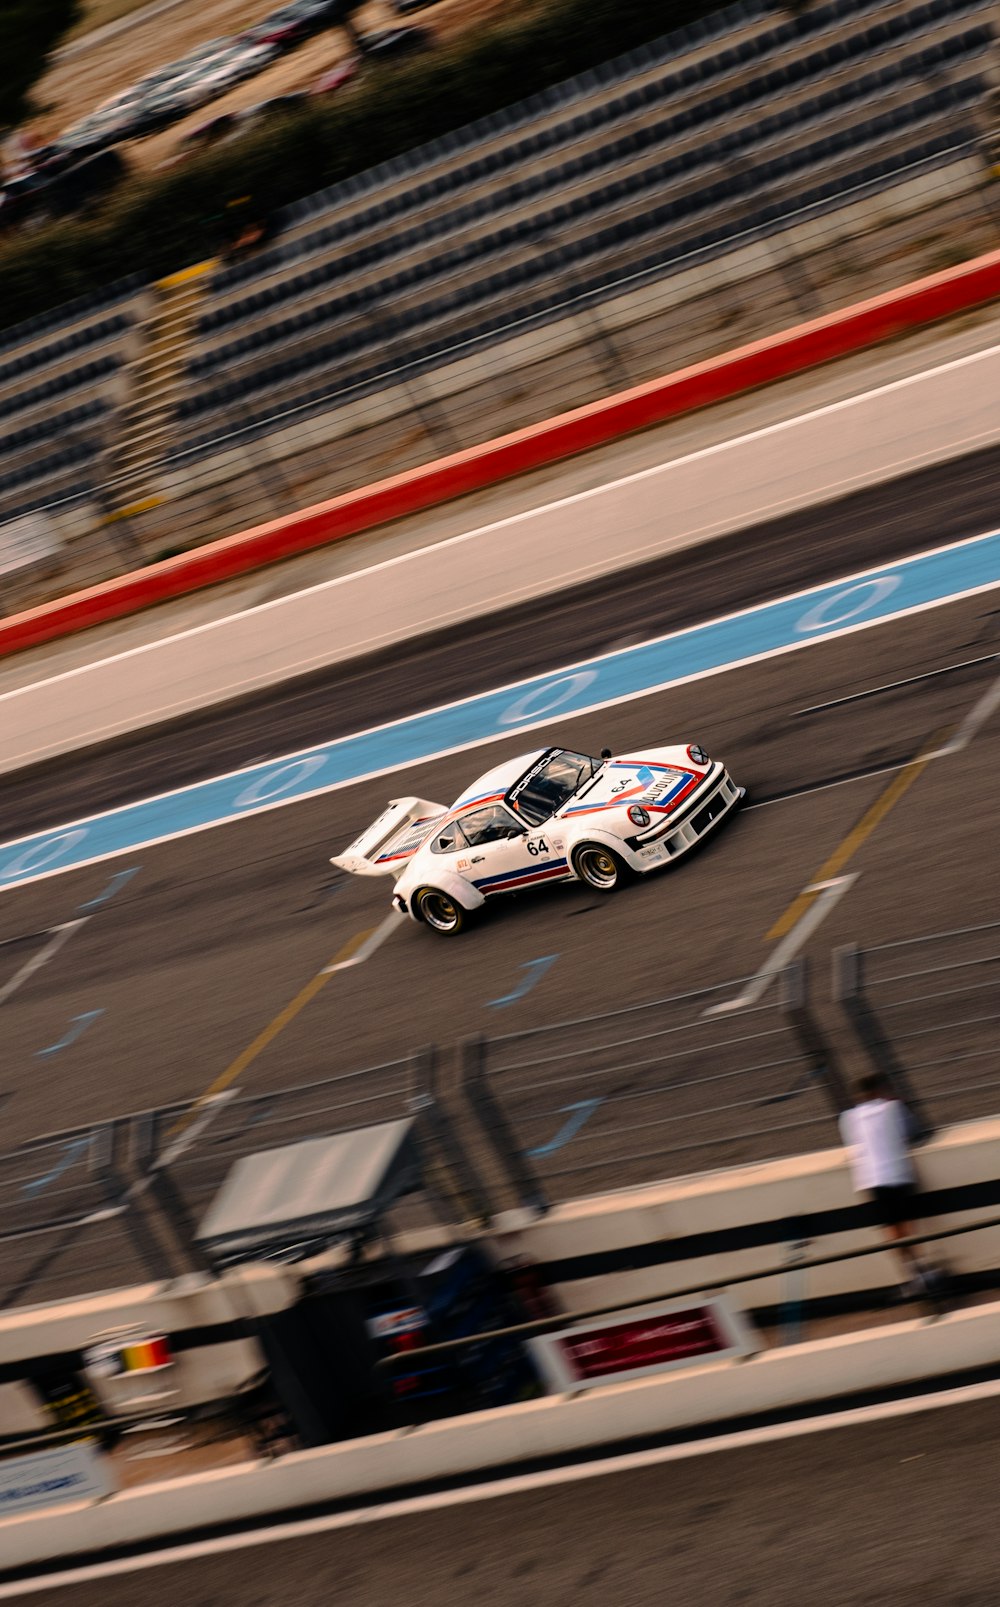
[{"x": 537, "y": 845}]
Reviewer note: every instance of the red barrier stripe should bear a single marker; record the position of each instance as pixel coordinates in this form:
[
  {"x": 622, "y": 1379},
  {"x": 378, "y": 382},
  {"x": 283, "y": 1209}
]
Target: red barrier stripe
[{"x": 852, "y": 329}]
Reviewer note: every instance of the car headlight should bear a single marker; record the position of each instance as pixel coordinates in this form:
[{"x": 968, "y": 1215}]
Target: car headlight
[
  {"x": 638, "y": 815},
  {"x": 697, "y": 754}
]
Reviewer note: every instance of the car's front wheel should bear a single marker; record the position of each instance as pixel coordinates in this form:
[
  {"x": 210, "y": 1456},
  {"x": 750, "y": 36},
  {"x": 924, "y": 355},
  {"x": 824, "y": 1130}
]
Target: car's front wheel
[
  {"x": 599, "y": 867},
  {"x": 441, "y": 912}
]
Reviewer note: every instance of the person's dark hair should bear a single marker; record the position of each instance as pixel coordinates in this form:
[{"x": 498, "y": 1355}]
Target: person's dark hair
[{"x": 875, "y": 1083}]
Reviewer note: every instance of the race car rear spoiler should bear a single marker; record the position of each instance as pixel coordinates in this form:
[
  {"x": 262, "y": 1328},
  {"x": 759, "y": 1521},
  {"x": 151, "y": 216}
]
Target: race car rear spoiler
[{"x": 385, "y": 845}]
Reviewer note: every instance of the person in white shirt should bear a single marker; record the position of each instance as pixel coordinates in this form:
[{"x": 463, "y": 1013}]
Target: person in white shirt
[{"x": 875, "y": 1135}]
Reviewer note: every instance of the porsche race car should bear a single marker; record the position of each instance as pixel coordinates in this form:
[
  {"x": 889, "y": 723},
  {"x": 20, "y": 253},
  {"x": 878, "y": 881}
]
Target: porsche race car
[{"x": 549, "y": 816}]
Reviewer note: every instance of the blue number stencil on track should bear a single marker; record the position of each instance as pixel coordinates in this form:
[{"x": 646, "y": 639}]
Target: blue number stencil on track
[{"x": 849, "y": 604}]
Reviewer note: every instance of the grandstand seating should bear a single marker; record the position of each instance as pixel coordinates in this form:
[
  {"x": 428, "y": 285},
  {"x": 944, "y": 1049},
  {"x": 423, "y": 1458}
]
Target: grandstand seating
[
  {"x": 666, "y": 147},
  {"x": 660, "y": 158},
  {"x": 58, "y": 395}
]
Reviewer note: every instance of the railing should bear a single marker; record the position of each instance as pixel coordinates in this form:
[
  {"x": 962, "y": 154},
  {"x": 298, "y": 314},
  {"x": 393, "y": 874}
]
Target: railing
[
  {"x": 655, "y": 1090},
  {"x": 927, "y": 1012},
  {"x": 574, "y": 331},
  {"x": 792, "y": 1317},
  {"x": 748, "y": 1070},
  {"x": 118, "y": 1203}
]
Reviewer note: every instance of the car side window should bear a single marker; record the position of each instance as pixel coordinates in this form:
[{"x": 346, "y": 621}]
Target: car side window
[
  {"x": 490, "y": 825},
  {"x": 448, "y": 840}
]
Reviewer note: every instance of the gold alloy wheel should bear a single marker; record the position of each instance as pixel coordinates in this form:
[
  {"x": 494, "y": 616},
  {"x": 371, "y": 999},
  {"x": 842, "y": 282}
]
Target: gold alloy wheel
[
  {"x": 439, "y": 911},
  {"x": 597, "y": 866}
]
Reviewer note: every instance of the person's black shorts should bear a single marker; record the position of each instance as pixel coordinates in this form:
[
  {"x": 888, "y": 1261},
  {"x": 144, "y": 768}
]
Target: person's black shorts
[{"x": 890, "y": 1206}]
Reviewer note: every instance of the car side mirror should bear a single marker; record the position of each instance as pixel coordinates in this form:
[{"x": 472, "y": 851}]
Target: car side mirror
[
  {"x": 605, "y": 753},
  {"x": 513, "y": 831}
]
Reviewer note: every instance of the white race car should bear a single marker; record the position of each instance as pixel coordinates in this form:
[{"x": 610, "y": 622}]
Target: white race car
[{"x": 553, "y": 816}]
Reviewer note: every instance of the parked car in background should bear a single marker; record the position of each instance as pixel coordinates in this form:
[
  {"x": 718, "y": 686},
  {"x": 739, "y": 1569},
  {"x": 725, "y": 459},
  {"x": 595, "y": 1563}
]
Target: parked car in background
[
  {"x": 291, "y": 24},
  {"x": 208, "y": 71},
  {"x": 336, "y": 77},
  {"x": 225, "y": 126},
  {"x": 61, "y": 187},
  {"x": 396, "y": 42},
  {"x": 171, "y": 101},
  {"x": 95, "y": 133},
  {"x": 245, "y": 59}
]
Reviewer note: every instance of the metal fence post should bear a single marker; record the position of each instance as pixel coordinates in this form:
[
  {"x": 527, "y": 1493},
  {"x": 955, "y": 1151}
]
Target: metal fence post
[
  {"x": 850, "y": 993},
  {"x": 425, "y": 1105},
  {"x": 796, "y": 1252},
  {"x": 101, "y": 1162},
  {"x": 823, "y": 1061},
  {"x": 146, "y": 1169},
  {"x": 492, "y": 1118}
]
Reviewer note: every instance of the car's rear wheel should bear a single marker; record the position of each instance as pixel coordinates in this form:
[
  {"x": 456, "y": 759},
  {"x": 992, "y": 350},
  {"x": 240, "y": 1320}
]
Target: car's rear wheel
[
  {"x": 599, "y": 867},
  {"x": 441, "y": 912}
]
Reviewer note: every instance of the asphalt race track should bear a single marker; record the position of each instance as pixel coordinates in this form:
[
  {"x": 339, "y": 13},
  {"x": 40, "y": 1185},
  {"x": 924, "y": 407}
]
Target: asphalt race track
[
  {"x": 883, "y": 1514},
  {"x": 948, "y": 502},
  {"x": 191, "y": 950}
]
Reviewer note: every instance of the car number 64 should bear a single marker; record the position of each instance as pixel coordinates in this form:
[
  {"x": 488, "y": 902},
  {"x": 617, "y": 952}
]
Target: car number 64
[{"x": 537, "y": 845}]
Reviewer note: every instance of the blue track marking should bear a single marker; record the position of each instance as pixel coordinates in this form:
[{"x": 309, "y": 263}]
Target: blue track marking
[
  {"x": 70, "y": 1155},
  {"x": 115, "y": 885},
  {"x": 579, "y": 1114},
  {"x": 77, "y": 1028},
  {"x": 535, "y": 969},
  {"x": 852, "y": 603}
]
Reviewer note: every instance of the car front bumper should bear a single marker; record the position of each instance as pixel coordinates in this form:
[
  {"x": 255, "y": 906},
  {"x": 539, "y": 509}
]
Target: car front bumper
[{"x": 707, "y": 810}]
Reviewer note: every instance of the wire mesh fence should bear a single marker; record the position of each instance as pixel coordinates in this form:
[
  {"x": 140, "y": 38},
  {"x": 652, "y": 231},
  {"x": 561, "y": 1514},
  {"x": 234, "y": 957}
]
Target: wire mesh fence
[
  {"x": 669, "y": 1087},
  {"x": 737, "y": 1072},
  {"x": 402, "y": 390},
  {"x": 66, "y": 1227},
  {"x": 119, "y": 1203},
  {"x": 927, "y": 1011}
]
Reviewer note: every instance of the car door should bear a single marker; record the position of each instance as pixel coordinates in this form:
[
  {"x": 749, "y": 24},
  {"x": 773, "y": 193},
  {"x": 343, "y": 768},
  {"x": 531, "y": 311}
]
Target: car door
[
  {"x": 501, "y": 856},
  {"x": 494, "y": 853}
]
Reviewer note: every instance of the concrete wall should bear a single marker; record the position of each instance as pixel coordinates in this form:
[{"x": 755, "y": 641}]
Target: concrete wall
[
  {"x": 798, "y": 1375},
  {"x": 620, "y": 1247},
  {"x": 807, "y": 460}
]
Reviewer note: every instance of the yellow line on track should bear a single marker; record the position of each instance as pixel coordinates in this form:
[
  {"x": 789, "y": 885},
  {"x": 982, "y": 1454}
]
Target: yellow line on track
[
  {"x": 267, "y": 1035},
  {"x": 872, "y": 818}
]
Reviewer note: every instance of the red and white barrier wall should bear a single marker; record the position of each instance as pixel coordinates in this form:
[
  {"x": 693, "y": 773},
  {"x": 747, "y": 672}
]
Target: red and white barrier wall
[
  {"x": 799, "y": 462},
  {"x": 792, "y": 351}
]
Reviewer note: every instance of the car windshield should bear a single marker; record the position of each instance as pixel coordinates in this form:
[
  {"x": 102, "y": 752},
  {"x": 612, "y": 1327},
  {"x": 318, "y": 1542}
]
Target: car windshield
[{"x": 547, "y": 785}]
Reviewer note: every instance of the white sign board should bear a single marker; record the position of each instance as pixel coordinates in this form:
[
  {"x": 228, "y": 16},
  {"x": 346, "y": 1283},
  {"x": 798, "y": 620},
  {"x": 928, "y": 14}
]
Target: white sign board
[
  {"x": 634, "y": 1344},
  {"x": 71, "y": 1473},
  {"x": 30, "y": 539}
]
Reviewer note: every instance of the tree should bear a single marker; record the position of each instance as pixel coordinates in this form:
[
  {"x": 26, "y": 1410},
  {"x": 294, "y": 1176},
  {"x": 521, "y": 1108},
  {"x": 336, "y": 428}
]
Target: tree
[
  {"x": 344, "y": 18},
  {"x": 29, "y": 32}
]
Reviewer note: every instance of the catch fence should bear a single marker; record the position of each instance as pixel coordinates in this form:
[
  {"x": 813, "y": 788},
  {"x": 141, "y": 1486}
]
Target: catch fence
[
  {"x": 750, "y": 1070},
  {"x": 715, "y": 1077}
]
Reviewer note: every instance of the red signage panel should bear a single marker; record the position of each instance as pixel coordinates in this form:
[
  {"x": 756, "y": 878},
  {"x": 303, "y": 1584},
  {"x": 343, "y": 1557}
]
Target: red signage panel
[{"x": 651, "y": 1339}]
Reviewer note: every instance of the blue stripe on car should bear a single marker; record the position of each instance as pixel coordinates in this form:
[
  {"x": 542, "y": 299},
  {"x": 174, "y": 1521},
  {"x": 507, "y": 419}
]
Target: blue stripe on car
[{"x": 518, "y": 875}]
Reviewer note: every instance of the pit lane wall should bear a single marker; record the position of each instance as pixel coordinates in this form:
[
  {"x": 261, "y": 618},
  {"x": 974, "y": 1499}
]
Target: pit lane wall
[
  {"x": 802, "y": 461},
  {"x": 792, "y": 351},
  {"x": 402, "y": 1461},
  {"x": 624, "y": 1247}
]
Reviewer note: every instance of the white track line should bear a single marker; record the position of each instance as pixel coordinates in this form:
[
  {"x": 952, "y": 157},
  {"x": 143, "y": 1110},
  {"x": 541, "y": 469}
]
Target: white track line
[
  {"x": 973, "y": 723},
  {"x": 830, "y": 893},
  {"x": 373, "y": 941},
  {"x": 60, "y": 935},
  {"x": 518, "y": 1484},
  {"x": 572, "y": 500},
  {"x": 558, "y": 673}
]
